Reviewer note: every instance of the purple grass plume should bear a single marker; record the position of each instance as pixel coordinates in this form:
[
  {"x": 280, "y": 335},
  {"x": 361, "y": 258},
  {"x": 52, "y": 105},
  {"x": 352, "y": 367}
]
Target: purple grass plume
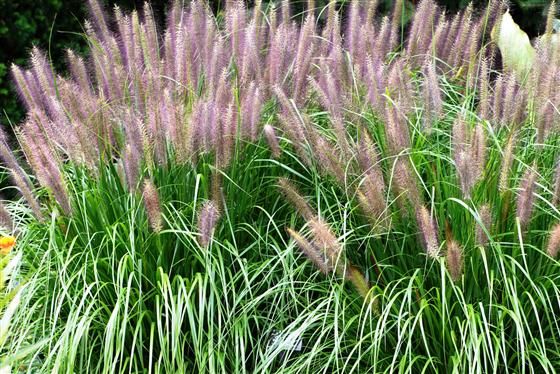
[
  {"x": 428, "y": 232},
  {"x": 525, "y": 199},
  {"x": 485, "y": 225},
  {"x": 150, "y": 94},
  {"x": 454, "y": 260},
  {"x": 507, "y": 161},
  {"x": 294, "y": 197},
  {"x": 152, "y": 205},
  {"x": 556, "y": 187},
  {"x": 404, "y": 183},
  {"x": 433, "y": 103},
  {"x": 208, "y": 217},
  {"x": 372, "y": 192},
  {"x": 272, "y": 140},
  {"x": 553, "y": 246},
  {"x": 312, "y": 253},
  {"x": 326, "y": 253},
  {"x": 469, "y": 153}
]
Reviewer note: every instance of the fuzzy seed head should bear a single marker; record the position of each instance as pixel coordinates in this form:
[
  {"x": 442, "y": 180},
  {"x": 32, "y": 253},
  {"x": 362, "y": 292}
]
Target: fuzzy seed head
[
  {"x": 550, "y": 17},
  {"x": 152, "y": 205},
  {"x": 466, "y": 172},
  {"x": 507, "y": 160},
  {"x": 433, "y": 102},
  {"x": 556, "y": 190},
  {"x": 272, "y": 140},
  {"x": 479, "y": 150},
  {"x": 27, "y": 194},
  {"x": 294, "y": 197},
  {"x": 357, "y": 278},
  {"x": 485, "y": 214},
  {"x": 526, "y": 196},
  {"x": 312, "y": 253},
  {"x": 396, "y": 130},
  {"x": 208, "y": 217},
  {"x": 327, "y": 160},
  {"x": 428, "y": 232},
  {"x": 131, "y": 161},
  {"x": 454, "y": 260},
  {"x": 372, "y": 198},
  {"x": 554, "y": 241},
  {"x": 404, "y": 182},
  {"x": 326, "y": 241},
  {"x": 484, "y": 88}
]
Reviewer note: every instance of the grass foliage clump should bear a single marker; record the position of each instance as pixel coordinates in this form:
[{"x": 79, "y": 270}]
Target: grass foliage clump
[{"x": 179, "y": 177}]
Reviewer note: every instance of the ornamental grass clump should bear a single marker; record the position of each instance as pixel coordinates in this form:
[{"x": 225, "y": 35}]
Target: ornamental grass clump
[{"x": 417, "y": 175}]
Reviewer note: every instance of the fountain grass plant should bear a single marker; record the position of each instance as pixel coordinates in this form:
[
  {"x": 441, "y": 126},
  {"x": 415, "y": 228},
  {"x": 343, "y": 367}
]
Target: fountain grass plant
[{"x": 180, "y": 177}]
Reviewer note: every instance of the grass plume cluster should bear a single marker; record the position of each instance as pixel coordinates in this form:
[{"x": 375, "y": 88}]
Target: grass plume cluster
[{"x": 176, "y": 172}]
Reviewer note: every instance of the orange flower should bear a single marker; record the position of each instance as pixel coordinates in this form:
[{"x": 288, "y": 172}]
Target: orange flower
[{"x": 6, "y": 244}]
